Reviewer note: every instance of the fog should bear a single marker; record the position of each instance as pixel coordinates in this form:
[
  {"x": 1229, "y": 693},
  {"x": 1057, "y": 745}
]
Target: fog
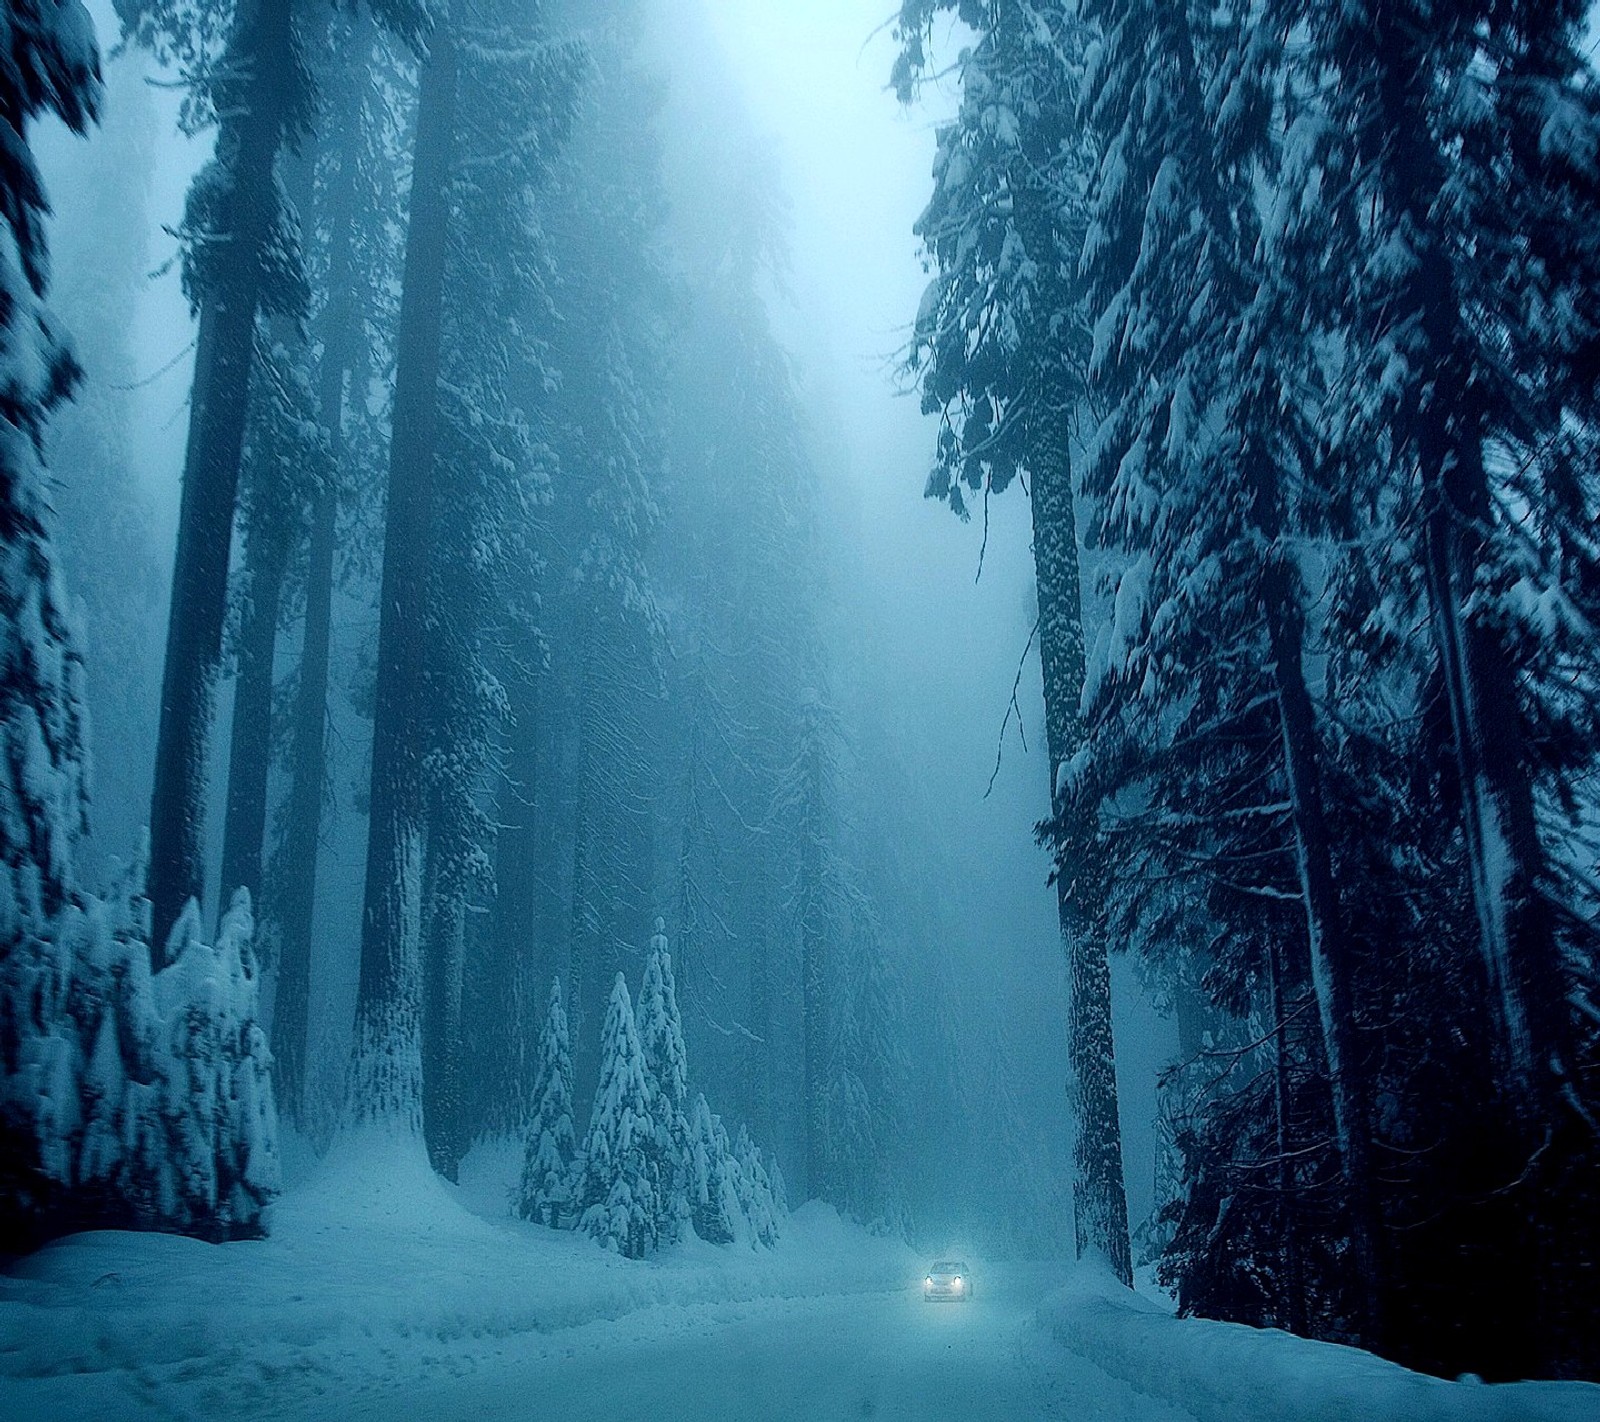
[
  {"x": 699, "y": 673},
  {"x": 950, "y": 614},
  {"x": 929, "y": 616}
]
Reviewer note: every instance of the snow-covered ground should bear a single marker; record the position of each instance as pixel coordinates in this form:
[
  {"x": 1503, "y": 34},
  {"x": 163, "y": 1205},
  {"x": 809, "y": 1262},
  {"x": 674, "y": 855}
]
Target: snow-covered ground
[
  {"x": 384, "y": 1293},
  {"x": 1092, "y": 1332}
]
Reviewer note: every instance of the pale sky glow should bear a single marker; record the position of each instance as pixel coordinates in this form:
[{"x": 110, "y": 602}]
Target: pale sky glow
[{"x": 856, "y": 165}]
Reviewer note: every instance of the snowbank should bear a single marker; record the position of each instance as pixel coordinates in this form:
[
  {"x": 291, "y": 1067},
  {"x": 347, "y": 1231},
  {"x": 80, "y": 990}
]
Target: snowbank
[
  {"x": 1226, "y": 1372},
  {"x": 374, "y": 1268}
]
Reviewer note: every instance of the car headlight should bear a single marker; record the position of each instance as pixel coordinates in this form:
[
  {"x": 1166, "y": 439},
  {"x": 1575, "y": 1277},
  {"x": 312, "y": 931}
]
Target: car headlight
[
  {"x": 928, "y": 1282},
  {"x": 956, "y": 1281}
]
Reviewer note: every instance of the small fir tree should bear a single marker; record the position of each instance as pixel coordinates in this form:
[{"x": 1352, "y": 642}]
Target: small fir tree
[
  {"x": 667, "y": 1074},
  {"x": 548, "y": 1171},
  {"x": 620, "y": 1203},
  {"x": 714, "y": 1208},
  {"x": 760, "y": 1203}
]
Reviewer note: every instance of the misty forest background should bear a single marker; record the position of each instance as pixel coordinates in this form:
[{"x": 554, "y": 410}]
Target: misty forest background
[{"x": 515, "y": 748}]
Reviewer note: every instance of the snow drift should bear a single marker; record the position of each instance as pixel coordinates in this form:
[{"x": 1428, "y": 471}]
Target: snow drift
[{"x": 1229, "y": 1372}]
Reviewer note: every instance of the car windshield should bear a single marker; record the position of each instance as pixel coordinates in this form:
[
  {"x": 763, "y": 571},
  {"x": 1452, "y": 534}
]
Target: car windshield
[{"x": 948, "y": 1267}]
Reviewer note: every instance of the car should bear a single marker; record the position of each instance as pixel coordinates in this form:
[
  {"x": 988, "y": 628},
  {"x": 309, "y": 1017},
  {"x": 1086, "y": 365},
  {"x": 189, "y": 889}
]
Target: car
[{"x": 947, "y": 1279}]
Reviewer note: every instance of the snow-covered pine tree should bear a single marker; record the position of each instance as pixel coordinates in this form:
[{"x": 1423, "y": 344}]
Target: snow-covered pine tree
[
  {"x": 196, "y": 1125},
  {"x": 52, "y": 66},
  {"x": 761, "y": 1202},
  {"x": 1199, "y": 471},
  {"x": 111, "y": 550},
  {"x": 1444, "y": 176},
  {"x": 127, "y": 1097},
  {"x": 667, "y": 1071},
  {"x": 614, "y": 679},
  {"x": 996, "y": 349},
  {"x": 713, "y": 1197},
  {"x": 549, "y": 1170},
  {"x": 618, "y": 1197}
]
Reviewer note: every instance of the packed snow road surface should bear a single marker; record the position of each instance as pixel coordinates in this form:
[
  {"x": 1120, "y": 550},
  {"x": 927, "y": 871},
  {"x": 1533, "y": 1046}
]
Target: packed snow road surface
[{"x": 877, "y": 1355}]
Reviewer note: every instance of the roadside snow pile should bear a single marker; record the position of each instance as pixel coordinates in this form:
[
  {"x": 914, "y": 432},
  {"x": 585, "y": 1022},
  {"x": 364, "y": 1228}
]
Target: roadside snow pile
[
  {"x": 1224, "y": 1372},
  {"x": 374, "y": 1269}
]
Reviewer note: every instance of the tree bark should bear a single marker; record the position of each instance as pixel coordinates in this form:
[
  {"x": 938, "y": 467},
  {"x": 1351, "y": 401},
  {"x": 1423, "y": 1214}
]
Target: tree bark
[
  {"x": 512, "y": 978},
  {"x": 1099, "y": 1192},
  {"x": 1333, "y": 971},
  {"x": 1505, "y": 860},
  {"x": 250, "y": 135},
  {"x": 386, "y": 1070},
  {"x": 250, "y": 754},
  {"x": 1288, "y": 1191},
  {"x": 1442, "y": 423},
  {"x": 294, "y": 878},
  {"x": 444, "y": 958}
]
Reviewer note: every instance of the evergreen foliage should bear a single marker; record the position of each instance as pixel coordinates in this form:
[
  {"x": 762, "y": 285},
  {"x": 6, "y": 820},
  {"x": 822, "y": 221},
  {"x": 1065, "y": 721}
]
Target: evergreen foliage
[
  {"x": 715, "y": 1208},
  {"x": 654, "y": 1163},
  {"x": 667, "y": 1071},
  {"x": 550, "y": 1160},
  {"x": 1316, "y": 285},
  {"x": 618, "y": 1196},
  {"x": 127, "y": 1096}
]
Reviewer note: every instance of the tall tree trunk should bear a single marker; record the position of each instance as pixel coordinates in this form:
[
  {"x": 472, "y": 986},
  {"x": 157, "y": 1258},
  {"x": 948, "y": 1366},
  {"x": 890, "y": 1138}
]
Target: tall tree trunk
[
  {"x": 1099, "y": 1192},
  {"x": 294, "y": 878},
  {"x": 1331, "y": 959},
  {"x": 444, "y": 957},
  {"x": 260, "y": 56},
  {"x": 1505, "y": 860},
  {"x": 814, "y": 978},
  {"x": 250, "y": 752},
  {"x": 1293, "y": 1291},
  {"x": 386, "y": 1069},
  {"x": 758, "y": 1047},
  {"x": 293, "y": 884},
  {"x": 515, "y": 972},
  {"x": 1442, "y": 425},
  {"x": 1333, "y": 971}
]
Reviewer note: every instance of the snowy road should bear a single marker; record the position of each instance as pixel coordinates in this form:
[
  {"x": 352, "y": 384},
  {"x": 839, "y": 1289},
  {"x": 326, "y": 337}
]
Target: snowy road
[
  {"x": 500, "y": 1323},
  {"x": 880, "y": 1355}
]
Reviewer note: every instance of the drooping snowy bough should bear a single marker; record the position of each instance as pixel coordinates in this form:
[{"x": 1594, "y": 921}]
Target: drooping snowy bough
[{"x": 128, "y": 1098}]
